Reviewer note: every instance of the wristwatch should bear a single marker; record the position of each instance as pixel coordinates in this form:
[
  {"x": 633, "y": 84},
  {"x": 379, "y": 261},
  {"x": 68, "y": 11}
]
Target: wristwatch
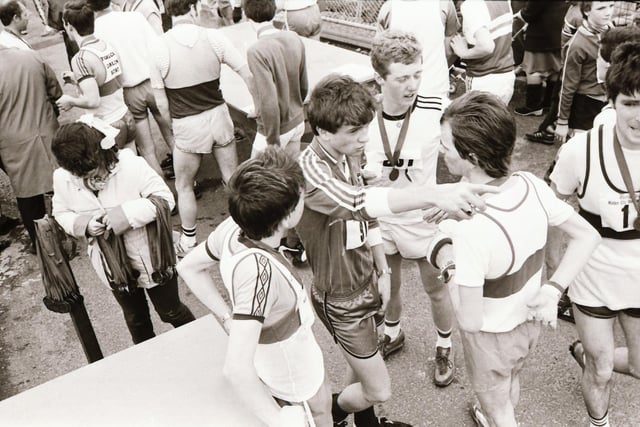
[
  {"x": 447, "y": 272},
  {"x": 384, "y": 271}
]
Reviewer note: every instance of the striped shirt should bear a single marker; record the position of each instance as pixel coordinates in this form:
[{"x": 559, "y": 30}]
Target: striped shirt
[
  {"x": 497, "y": 17},
  {"x": 338, "y": 226}
]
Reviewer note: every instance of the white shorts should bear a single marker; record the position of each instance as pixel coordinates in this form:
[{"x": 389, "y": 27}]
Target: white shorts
[
  {"x": 294, "y": 135},
  {"x": 293, "y": 369},
  {"x": 498, "y": 84},
  {"x": 410, "y": 240},
  {"x": 200, "y": 133}
]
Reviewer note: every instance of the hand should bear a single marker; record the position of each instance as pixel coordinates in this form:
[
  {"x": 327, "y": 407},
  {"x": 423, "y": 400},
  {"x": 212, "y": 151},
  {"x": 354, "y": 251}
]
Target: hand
[
  {"x": 544, "y": 306},
  {"x": 95, "y": 227},
  {"x": 459, "y": 45},
  {"x": 292, "y": 416},
  {"x": 368, "y": 174},
  {"x": 463, "y": 199},
  {"x": 65, "y": 102},
  {"x": 434, "y": 215},
  {"x": 251, "y": 112},
  {"x": 561, "y": 133},
  {"x": 384, "y": 289}
]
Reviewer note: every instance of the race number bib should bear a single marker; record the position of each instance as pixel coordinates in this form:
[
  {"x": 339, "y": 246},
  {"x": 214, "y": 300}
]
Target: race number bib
[
  {"x": 356, "y": 233},
  {"x": 617, "y": 212}
]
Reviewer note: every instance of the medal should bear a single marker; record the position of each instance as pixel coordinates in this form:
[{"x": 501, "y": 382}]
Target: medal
[
  {"x": 393, "y": 175},
  {"x": 636, "y": 223}
]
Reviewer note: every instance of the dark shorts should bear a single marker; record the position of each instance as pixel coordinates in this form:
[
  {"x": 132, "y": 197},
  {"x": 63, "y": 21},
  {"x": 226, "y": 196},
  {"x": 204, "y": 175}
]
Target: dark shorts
[
  {"x": 352, "y": 320},
  {"x": 605, "y": 312},
  {"x": 583, "y": 110},
  {"x": 140, "y": 100}
]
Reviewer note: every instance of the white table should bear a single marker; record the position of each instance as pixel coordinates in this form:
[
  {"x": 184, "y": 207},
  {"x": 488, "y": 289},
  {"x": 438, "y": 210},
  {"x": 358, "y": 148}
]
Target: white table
[{"x": 174, "y": 379}]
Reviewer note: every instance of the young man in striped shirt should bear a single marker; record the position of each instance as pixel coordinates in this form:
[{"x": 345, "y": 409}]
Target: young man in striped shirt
[{"x": 350, "y": 272}]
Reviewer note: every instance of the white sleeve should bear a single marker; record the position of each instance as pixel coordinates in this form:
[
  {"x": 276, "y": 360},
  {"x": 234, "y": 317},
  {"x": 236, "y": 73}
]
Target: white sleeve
[
  {"x": 557, "y": 210},
  {"x": 570, "y": 168},
  {"x": 226, "y": 51},
  {"x": 470, "y": 253},
  {"x": 159, "y": 63},
  {"x": 474, "y": 16}
]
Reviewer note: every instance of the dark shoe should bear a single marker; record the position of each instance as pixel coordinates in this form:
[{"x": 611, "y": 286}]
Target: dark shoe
[
  {"x": 528, "y": 111},
  {"x": 297, "y": 254},
  {"x": 445, "y": 368},
  {"x": 384, "y": 422},
  {"x": 169, "y": 173},
  {"x": 541, "y": 137},
  {"x": 167, "y": 163},
  {"x": 387, "y": 346},
  {"x": 7, "y": 224},
  {"x": 343, "y": 423},
  {"x": 577, "y": 351},
  {"x": 32, "y": 248},
  {"x": 478, "y": 416}
]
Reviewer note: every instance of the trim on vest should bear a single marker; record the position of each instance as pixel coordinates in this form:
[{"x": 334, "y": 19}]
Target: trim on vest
[{"x": 512, "y": 283}]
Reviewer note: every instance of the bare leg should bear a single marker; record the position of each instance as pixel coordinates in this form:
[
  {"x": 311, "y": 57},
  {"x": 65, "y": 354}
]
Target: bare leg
[
  {"x": 441, "y": 308},
  {"x": 373, "y": 384},
  {"x": 186, "y": 166},
  {"x": 146, "y": 147},
  {"x": 227, "y": 159},
  {"x": 394, "y": 307},
  {"x": 497, "y": 407},
  {"x": 320, "y": 405},
  {"x": 627, "y": 360},
  {"x": 597, "y": 340}
]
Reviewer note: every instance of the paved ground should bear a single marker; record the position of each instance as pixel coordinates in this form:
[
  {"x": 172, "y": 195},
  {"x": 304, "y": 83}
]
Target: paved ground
[{"x": 37, "y": 345}]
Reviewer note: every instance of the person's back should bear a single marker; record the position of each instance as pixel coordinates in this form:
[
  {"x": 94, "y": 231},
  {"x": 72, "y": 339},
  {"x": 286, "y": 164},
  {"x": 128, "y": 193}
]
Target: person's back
[
  {"x": 131, "y": 36},
  {"x": 147, "y": 8}
]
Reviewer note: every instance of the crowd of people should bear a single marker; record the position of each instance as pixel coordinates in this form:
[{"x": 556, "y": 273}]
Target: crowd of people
[{"x": 359, "y": 199}]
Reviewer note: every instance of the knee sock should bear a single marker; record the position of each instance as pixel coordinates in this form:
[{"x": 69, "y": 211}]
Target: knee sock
[
  {"x": 366, "y": 418},
  {"x": 599, "y": 422},
  {"x": 392, "y": 328},
  {"x": 188, "y": 235},
  {"x": 444, "y": 338},
  {"x": 338, "y": 414}
]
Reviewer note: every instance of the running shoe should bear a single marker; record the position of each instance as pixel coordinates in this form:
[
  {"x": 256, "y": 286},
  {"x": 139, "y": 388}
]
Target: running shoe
[
  {"x": 445, "y": 368},
  {"x": 478, "y": 416},
  {"x": 387, "y": 346}
]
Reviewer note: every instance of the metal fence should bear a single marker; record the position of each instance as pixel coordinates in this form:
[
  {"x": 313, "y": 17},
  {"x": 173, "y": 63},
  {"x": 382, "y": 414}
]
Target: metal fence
[{"x": 350, "y": 21}]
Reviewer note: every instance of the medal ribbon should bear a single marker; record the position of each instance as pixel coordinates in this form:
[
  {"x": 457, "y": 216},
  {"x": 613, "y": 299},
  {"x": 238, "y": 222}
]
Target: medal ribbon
[
  {"x": 626, "y": 177},
  {"x": 393, "y": 159}
]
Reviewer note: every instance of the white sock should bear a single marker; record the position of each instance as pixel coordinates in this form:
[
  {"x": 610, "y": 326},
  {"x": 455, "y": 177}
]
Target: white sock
[
  {"x": 443, "y": 341},
  {"x": 393, "y": 331},
  {"x": 187, "y": 240}
]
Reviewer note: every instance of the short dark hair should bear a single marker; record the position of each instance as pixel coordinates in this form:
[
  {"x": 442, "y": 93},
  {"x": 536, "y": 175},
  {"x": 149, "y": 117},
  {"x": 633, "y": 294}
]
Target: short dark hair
[
  {"x": 621, "y": 77},
  {"x": 259, "y": 10},
  {"x": 394, "y": 46},
  {"x": 98, "y": 5},
  {"x": 483, "y": 130},
  {"x": 263, "y": 191},
  {"x": 8, "y": 11},
  {"x": 585, "y": 6},
  {"x": 79, "y": 15},
  {"x": 339, "y": 101},
  {"x": 614, "y": 37},
  {"x": 76, "y": 147},
  {"x": 179, "y": 7}
]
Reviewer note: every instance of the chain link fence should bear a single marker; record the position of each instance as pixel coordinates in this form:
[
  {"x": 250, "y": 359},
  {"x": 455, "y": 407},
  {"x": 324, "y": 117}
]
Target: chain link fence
[{"x": 350, "y": 21}]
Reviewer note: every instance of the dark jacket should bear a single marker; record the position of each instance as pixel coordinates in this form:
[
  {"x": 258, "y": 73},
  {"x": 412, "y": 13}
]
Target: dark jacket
[{"x": 545, "y": 19}]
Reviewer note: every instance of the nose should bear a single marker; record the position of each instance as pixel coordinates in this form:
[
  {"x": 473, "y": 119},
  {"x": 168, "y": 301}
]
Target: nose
[{"x": 363, "y": 136}]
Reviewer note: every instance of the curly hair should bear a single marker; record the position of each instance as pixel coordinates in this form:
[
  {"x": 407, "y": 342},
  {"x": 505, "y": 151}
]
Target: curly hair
[{"x": 76, "y": 147}]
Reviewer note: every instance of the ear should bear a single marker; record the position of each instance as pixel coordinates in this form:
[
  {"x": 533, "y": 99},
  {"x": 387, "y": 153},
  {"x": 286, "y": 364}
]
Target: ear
[
  {"x": 378, "y": 79},
  {"x": 323, "y": 135}
]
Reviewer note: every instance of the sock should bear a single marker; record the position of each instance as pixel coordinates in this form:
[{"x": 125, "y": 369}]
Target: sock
[
  {"x": 392, "y": 328},
  {"x": 599, "y": 422},
  {"x": 444, "y": 338},
  {"x": 366, "y": 418},
  {"x": 188, "y": 236},
  {"x": 338, "y": 414}
]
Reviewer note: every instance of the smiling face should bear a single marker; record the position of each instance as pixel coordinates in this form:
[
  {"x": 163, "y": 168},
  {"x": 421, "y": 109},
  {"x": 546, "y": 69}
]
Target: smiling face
[
  {"x": 400, "y": 86},
  {"x": 628, "y": 120}
]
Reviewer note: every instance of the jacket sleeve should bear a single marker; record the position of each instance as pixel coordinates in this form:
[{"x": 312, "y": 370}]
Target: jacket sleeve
[
  {"x": 570, "y": 79},
  {"x": 266, "y": 96},
  {"x": 139, "y": 212},
  {"x": 62, "y": 207}
]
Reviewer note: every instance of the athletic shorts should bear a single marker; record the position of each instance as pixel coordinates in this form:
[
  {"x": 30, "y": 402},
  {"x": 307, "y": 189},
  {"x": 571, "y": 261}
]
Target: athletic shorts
[
  {"x": 584, "y": 110},
  {"x": 127, "y": 128},
  {"x": 494, "y": 358},
  {"x": 140, "y": 100},
  {"x": 607, "y": 313},
  {"x": 501, "y": 84},
  {"x": 410, "y": 240},
  {"x": 352, "y": 320},
  {"x": 200, "y": 133},
  {"x": 260, "y": 141}
]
